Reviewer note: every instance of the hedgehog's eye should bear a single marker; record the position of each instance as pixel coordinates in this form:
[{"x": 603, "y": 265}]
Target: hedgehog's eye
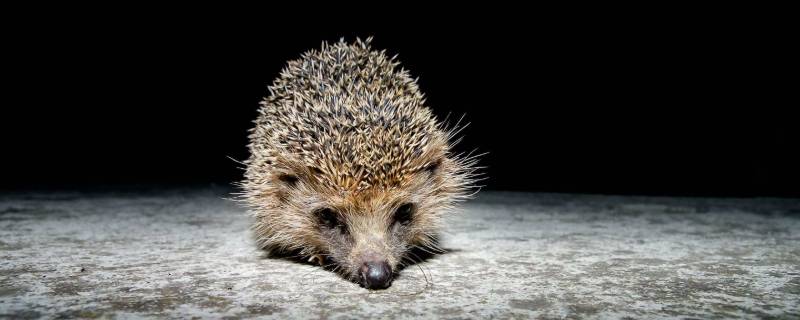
[
  {"x": 404, "y": 213},
  {"x": 330, "y": 219},
  {"x": 327, "y": 217}
]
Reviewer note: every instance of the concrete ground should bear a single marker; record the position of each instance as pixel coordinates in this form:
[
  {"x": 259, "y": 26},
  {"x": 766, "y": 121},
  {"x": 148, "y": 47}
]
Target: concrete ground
[{"x": 187, "y": 253}]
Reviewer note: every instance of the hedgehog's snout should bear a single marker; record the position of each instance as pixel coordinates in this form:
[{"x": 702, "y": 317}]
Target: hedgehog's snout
[{"x": 376, "y": 274}]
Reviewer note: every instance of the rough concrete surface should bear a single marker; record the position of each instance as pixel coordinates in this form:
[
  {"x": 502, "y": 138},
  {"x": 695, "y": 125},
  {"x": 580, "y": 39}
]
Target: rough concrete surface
[{"x": 187, "y": 253}]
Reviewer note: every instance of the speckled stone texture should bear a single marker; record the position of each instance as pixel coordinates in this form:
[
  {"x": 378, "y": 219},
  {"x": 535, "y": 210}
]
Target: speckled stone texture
[{"x": 187, "y": 253}]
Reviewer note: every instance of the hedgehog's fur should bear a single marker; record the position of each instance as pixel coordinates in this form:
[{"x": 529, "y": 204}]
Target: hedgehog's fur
[{"x": 343, "y": 128}]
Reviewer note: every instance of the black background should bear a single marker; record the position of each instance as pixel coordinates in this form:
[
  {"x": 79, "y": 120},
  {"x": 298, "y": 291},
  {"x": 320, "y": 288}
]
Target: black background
[{"x": 668, "y": 106}]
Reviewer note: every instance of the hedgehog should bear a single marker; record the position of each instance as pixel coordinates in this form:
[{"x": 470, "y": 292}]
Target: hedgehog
[{"x": 348, "y": 167}]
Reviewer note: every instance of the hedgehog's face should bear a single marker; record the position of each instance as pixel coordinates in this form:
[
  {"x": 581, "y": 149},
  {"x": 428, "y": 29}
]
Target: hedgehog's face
[
  {"x": 366, "y": 235},
  {"x": 367, "y": 243}
]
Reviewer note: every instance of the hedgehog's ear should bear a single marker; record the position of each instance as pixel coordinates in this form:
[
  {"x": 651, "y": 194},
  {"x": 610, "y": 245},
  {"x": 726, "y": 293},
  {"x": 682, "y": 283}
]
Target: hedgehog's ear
[
  {"x": 287, "y": 172},
  {"x": 284, "y": 181},
  {"x": 314, "y": 171},
  {"x": 288, "y": 179},
  {"x": 291, "y": 177},
  {"x": 433, "y": 167}
]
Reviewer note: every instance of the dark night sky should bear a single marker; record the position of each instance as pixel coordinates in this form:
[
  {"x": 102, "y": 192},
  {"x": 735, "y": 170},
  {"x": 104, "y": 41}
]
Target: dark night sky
[{"x": 602, "y": 106}]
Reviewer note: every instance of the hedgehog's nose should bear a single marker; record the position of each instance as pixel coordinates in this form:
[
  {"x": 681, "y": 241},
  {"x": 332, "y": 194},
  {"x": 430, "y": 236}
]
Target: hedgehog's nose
[{"x": 376, "y": 275}]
